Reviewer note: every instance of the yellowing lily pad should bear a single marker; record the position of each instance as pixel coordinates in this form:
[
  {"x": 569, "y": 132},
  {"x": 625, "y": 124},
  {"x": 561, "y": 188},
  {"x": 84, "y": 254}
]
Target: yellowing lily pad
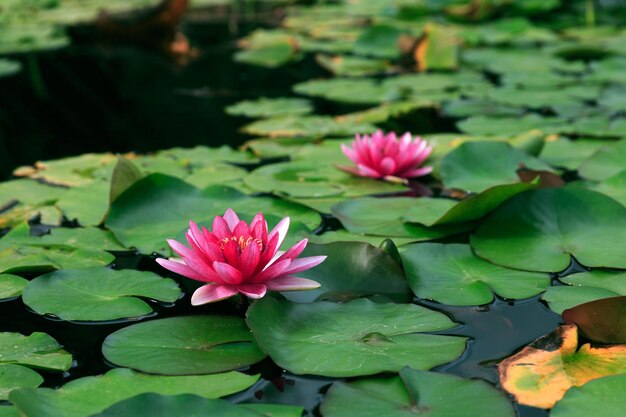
[{"x": 541, "y": 373}]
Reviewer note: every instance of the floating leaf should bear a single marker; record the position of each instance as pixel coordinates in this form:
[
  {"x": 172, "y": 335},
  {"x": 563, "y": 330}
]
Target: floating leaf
[
  {"x": 311, "y": 126},
  {"x": 91, "y": 395},
  {"x": 16, "y": 376},
  {"x": 271, "y": 107},
  {"x": 566, "y": 153},
  {"x": 542, "y": 372},
  {"x": 487, "y": 125},
  {"x": 539, "y": 230},
  {"x": 191, "y": 345},
  {"x": 352, "y": 270},
  {"x": 352, "y": 66},
  {"x": 415, "y": 393},
  {"x": 606, "y": 162},
  {"x": 11, "y": 286},
  {"x": 38, "y": 351},
  {"x": 452, "y": 274},
  {"x": 379, "y": 41},
  {"x": 614, "y": 187},
  {"x": 358, "y": 91},
  {"x": 603, "y": 395},
  {"x": 437, "y": 49},
  {"x": 350, "y": 339},
  {"x": 477, "y": 166},
  {"x": 96, "y": 294},
  {"x": 601, "y": 321}
]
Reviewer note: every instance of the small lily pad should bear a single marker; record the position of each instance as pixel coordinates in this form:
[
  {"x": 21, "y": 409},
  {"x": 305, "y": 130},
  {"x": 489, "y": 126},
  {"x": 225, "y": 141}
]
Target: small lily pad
[
  {"x": 11, "y": 286},
  {"x": 271, "y": 107},
  {"x": 606, "y": 162},
  {"x": 16, "y": 376},
  {"x": 359, "y": 337},
  {"x": 38, "y": 351},
  {"x": 97, "y": 294},
  {"x": 192, "y": 345}
]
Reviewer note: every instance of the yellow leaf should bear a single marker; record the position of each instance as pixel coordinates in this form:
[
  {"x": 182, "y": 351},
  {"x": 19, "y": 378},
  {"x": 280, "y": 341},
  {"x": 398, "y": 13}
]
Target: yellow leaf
[{"x": 541, "y": 373}]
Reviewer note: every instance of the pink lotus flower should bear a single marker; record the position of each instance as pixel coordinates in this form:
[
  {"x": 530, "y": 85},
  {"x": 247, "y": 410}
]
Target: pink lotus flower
[
  {"x": 386, "y": 156},
  {"x": 240, "y": 258}
]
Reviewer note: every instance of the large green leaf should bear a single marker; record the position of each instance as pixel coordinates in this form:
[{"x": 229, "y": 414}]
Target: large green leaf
[
  {"x": 539, "y": 230},
  {"x": 452, "y": 274},
  {"x": 477, "y": 166},
  {"x": 604, "y": 395},
  {"x": 91, "y": 395},
  {"x": 11, "y": 286},
  {"x": 359, "y": 337},
  {"x": 415, "y": 393},
  {"x": 190, "y": 345},
  {"x": 96, "y": 294},
  {"x": 36, "y": 351},
  {"x": 352, "y": 270},
  {"x": 159, "y": 207}
]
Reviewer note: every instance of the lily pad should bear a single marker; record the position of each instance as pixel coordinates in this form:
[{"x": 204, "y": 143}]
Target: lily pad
[
  {"x": 414, "y": 393},
  {"x": 96, "y": 294},
  {"x": 605, "y": 163},
  {"x": 614, "y": 187},
  {"x": 542, "y": 372},
  {"x": 566, "y": 153},
  {"x": 159, "y": 207},
  {"x": 191, "y": 345},
  {"x": 539, "y": 230},
  {"x": 605, "y": 394},
  {"x": 584, "y": 287},
  {"x": 352, "y": 66},
  {"x": 452, "y": 274},
  {"x": 38, "y": 351},
  {"x": 602, "y": 321},
  {"x": 379, "y": 41},
  {"x": 16, "y": 376},
  {"x": 352, "y": 270},
  {"x": 357, "y": 91},
  {"x": 271, "y": 107},
  {"x": 307, "y": 126},
  {"x": 509, "y": 126},
  {"x": 91, "y": 395},
  {"x": 477, "y": 166},
  {"x": 11, "y": 286},
  {"x": 359, "y": 337}
]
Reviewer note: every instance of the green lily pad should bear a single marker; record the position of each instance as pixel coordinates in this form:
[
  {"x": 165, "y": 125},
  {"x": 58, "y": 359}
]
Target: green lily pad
[
  {"x": 157, "y": 405},
  {"x": 38, "y": 351},
  {"x": 308, "y": 126},
  {"x": 477, "y": 166},
  {"x": 352, "y": 66},
  {"x": 379, "y": 41},
  {"x": 351, "y": 339},
  {"x": 87, "y": 203},
  {"x": 486, "y": 125},
  {"x": 357, "y": 91},
  {"x": 605, "y": 163},
  {"x": 29, "y": 192},
  {"x": 73, "y": 171},
  {"x": 605, "y": 394},
  {"x": 96, "y": 294},
  {"x": 452, "y": 274},
  {"x": 584, "y": 287},
  {"x": 11, "y": 286},
  {"x": 159, "y": 207},
  {"x": 568, "y": 153},
  {"x": 8, "y": 411},
  {"x": 352, "y": 270},
  {"x": 316, "y": 180},
  {"x": 539, "y": 230},
  {"x": 191, "y": 345},
  {"x": 346, "y": 236},
  {"x": 16, "y": 376},
  {"x": 9, "y": 67},
  {"x": 271, "y": 107},
  {"x": 614, "y": 187},
  {"x": 414, "y": 393},
  {"x": 91, "y": 395}
]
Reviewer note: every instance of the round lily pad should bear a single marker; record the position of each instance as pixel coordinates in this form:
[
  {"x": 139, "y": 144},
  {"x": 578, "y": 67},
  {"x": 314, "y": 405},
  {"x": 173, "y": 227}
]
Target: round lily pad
[
  {"x": 191, "y": 345},
  {"x": 606, "y": 162},
  {"x": 359, "y": 337},
  {"x": 604, "y": 395},
  {"x": 452, "y": 274},
  {"x": 87, "y": 396},
  {"x": 415, "y": 393},
  {"x": 539, "y": 230},
  {"x": 477, "y": 166},
  {"x": 270, "y": 107},
  {"x": 97, "y": 294}
]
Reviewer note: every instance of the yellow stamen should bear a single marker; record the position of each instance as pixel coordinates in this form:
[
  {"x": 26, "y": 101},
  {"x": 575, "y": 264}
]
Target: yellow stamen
[{"x": 242, "y": 241}]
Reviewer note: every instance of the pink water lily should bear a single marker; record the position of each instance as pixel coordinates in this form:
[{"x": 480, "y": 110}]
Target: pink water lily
[
  {"x": 385, "y": 156},
  {"x": 239, "y": 258}
]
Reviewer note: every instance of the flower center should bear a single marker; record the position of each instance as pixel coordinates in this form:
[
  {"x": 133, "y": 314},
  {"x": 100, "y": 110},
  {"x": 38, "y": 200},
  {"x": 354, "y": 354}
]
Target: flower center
[{"x": 242, "y": 241}]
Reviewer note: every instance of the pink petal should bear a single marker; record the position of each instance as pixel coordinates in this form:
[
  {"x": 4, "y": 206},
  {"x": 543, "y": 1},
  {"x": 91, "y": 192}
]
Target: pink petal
[
  {"x": 387, "y": 166},
  {"x": 231, "y": 219},
  {"x": 272, "y": 271},
  {"x": 228, "y": 274},
  {"x": 302, "y": 264},
  {"x": 212, "y": 293},
  {"x": 349, "y": 170},
  {"x": 270, "y": 250},
  {"x": 294, "y": 251},
  {"x": 349, "y": 152},
  {"x": 249, "y": 260},
  {"x": 368, "y": 172},
  {"x": 220, "y": 228},
  {"x": 193, "y": 260},
  {"x": 281, "y": 230},
  {"x": 292, "y": 284},
  {"x": 231, "y": 254},
  {"x": 253, "y": 290},
  {"x": 181, "y": 269},
  {"x": 241, "y": 229},
  {"x": 258, "y": 227},
  {"x": 417, "y": 172}
]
